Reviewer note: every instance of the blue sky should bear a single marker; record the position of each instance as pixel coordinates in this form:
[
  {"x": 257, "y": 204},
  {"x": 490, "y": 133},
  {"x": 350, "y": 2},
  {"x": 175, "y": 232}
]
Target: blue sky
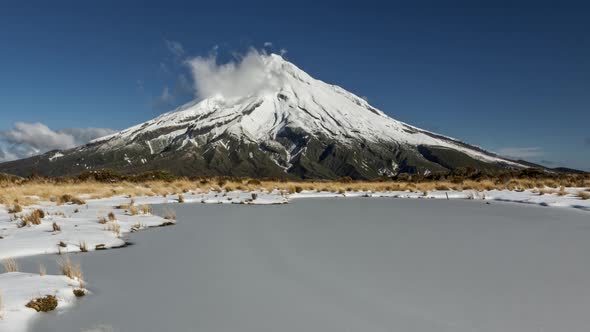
[{"x": 512, "y": 77}]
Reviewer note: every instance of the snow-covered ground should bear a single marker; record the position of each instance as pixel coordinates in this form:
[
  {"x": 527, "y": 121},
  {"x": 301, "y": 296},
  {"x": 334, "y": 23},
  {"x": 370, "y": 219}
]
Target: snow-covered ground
[
  {"x": 80, "y": 229},
  {"x": 570, "y": 200},
  {"x": 17, "y": 289}
]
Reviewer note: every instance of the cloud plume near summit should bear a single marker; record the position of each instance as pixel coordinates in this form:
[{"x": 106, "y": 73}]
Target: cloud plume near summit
[{"x": 239, "y": 78}]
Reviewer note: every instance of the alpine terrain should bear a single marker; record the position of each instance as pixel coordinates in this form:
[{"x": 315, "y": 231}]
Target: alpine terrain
[{"x": 298, "y": 127}]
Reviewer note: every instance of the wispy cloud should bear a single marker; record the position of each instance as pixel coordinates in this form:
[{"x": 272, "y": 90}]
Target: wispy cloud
[
  {"x": 166, "y": 96},
  {"x": 164, "y": 100},
  {"x": 139, "y": 85},
  {"x": 28, "y": 139},
  {"x": 184, "y": 85},
  {"x": 175, "y": 47},
  {"x": 521, "y": 152},
  {"x": 267, "y": 44}
]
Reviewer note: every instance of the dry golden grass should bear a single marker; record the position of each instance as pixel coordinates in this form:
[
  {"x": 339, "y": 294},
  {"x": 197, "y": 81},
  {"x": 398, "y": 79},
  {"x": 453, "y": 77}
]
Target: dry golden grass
[
  {"x": 111, "y": 216},
  {"x": 69, "y": 269},
  {"x": 584, "y": 195},
  {"x": 10, "y": 265},
  {"x": 56, "y": 227},
  {"x": 133, "y": 210},
  {"x": 114, "y": 227},
  {"x": 29, "y": 192},
  {"x": 67, "y": 198},
  {"x": 16, "y": 208},
  {"x": 145, "y": 209},
  {"x": 83, "y": 246},
  {"x": 33, "y": 218}
]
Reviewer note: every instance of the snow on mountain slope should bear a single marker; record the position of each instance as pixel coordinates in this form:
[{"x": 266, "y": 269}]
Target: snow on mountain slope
[
  {"x": 300, "y": 101},
  {"x": 290, "y": 116}
]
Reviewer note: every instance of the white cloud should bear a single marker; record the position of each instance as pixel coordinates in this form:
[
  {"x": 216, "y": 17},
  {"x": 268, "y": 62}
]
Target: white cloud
[
  {"x": 175, "y": 47},
  {"x": 166, "y": 97},
  {"x": 243, "y": 77},
  {"x": 38, "y": 136},
  {"x": 267, "y": 44},
  {"x": 85, "y": 135},
  {"x": 28, "y": 139},
  {"x": 521, "y": 152}
]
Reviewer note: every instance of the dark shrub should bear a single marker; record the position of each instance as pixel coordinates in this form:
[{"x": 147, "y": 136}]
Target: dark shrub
[{"x": 43, "y": 304}]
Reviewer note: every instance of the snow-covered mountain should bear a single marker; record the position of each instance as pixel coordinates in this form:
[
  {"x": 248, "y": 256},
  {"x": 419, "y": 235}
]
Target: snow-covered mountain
[{"x": 295, "y": 126}]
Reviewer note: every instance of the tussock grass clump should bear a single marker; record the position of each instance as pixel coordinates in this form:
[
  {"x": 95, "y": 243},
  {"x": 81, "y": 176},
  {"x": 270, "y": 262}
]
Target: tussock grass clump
[
  {"x": 133, "y": 210},
  {"x": 10, "y": 265},
  {"x": 583, "y": 195},
  {"x": 102, "y": 220},
  {"x": 145, "y": 209},
  {"x": 114, "y": 227},
  {"x": 69, "y": 269},
  {"x": 180, "y": 198},
  {"x": 112, "y": 216},
  {"x": 83, "y": 246},
  {"x": 16, "y": 208},
  {"x": 254, "y": 182},
  {"x": 33, "y": 218},
  {"x": 56, "y": 227},
  {"x": 79, "y": 292},
  {"x": 67, "y": 198},
  {"x": 43, "y": 304}
]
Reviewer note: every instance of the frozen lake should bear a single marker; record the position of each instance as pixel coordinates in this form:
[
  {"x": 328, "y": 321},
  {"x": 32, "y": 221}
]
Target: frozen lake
[{"x": 342, "y": 265}]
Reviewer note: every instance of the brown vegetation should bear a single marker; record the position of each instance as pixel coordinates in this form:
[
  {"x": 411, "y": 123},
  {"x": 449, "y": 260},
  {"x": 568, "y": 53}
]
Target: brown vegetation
[
  {"x": 10, "y": 265},
  {"x": 33, "y": 218},
  {"x": 43, "y": 304},
  {"x": 106, "y": 184},
  {"x": 67, "y": 198},
  {"x": 584, "y": 195},
  {"x": 16, "y": 208},
  {"x": 69, "y": 269}
]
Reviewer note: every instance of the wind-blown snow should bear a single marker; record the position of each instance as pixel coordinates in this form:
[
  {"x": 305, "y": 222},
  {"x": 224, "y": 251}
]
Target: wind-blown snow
[{"x": 279, "y": 95}]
